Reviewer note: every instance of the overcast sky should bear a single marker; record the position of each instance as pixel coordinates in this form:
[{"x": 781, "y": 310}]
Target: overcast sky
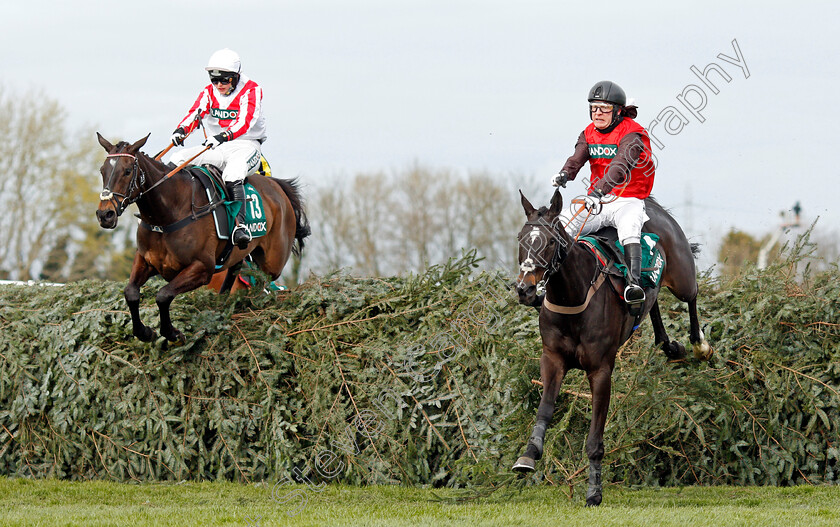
[{"x": 470, "y": 85}]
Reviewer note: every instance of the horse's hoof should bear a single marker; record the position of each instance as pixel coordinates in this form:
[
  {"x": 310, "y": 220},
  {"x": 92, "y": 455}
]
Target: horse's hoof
[
  {"x": 674, "y": 351},
  {"x": 593, "y": 501},
  {"x": 175, "y": 337},
  {"x": 146, "y": 334},
  {"x": 524, "y": 465},
  {"x": 703, "y": 351}
]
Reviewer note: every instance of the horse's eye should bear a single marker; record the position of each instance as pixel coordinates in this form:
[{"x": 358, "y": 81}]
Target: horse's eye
[{"x": 127, "y": 171}]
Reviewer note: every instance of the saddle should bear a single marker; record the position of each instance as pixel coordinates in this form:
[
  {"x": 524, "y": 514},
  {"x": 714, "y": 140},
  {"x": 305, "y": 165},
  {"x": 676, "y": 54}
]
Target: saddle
[
  {"x": 608, "y": 250},
  {"x": 214, "y": 186}
]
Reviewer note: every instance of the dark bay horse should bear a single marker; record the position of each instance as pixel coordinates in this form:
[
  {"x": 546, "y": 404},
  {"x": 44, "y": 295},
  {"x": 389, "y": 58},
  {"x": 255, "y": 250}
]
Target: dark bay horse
[
  {"x": 589, "y": 339},
  {"x": 186, "y": 257}
]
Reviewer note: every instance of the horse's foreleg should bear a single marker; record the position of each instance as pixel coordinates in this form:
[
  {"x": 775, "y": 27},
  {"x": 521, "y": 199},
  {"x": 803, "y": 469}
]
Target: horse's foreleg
[
  {"x": 702, "y": 349},
  {"x": 141, "y": 271},
  {"x": 192, "y": 277},
  {"x": 600, "y": 383},
  {"x": 673, "y": 349},
  {"x": 552, "y": 371}
]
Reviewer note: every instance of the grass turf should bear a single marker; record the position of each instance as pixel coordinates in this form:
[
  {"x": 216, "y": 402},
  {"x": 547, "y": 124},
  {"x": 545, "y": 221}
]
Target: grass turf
[{"x": 50, "y": 502}]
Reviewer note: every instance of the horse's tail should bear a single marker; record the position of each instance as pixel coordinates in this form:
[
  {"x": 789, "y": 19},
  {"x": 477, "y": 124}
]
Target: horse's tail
[
  {"x": 695, "y": 249},
  {"x": 302, "y": 230}
]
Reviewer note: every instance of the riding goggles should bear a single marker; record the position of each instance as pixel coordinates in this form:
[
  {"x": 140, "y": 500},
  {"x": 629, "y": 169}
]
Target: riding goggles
[{"x": 605, "y": 108}]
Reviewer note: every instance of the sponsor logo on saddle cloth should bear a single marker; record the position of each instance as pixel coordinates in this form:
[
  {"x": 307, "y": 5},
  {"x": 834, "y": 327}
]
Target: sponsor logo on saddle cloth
[
  {"x": 603, "y": 151},
  {"x": 653, "y": 270}
]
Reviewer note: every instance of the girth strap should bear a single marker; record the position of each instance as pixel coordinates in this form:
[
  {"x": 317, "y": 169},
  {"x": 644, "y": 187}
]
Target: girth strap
[
  {"x": 563, "y": 310},
  {"x": 183, "y": 222}
]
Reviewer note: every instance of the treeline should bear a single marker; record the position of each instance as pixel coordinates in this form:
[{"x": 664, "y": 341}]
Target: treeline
[
  {"x": 422, "y": 379},
  {"x": 387, "y": 224},
  {"x": 370, "y": 224},
  {"x": 48, "y": 194}
]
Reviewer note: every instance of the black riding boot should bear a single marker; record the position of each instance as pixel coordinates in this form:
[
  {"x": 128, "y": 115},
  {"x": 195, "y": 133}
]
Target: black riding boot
[
  {"x": 240, "y": 236},
  {"x": 633, "y": 293}
]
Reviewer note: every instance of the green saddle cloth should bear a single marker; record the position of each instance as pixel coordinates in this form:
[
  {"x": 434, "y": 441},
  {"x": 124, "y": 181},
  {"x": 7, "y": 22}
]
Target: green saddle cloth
[
  {"x": 254, "y": 211},
  {"x": 652, "y": 261}
]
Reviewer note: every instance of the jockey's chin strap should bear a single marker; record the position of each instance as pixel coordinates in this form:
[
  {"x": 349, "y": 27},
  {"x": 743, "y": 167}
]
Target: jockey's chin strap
[{"x": 108, "y": 195}]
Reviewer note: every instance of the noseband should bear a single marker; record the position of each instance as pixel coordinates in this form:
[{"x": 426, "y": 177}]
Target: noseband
[{"x": 128, "y": 198}]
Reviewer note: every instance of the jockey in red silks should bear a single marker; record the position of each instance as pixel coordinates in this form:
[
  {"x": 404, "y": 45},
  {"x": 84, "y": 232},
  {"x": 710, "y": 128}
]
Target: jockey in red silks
[
  {"x": 623, "y": 169},
  {"x": 230, "y": 108}
]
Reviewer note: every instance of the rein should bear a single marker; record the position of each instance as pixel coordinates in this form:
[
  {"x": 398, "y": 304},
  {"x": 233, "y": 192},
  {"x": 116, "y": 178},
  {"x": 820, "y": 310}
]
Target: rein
[
  {"x": 108, "y": 195},
  {"x": 174, "y": 171},
  {"x": 554, "y": 265}
]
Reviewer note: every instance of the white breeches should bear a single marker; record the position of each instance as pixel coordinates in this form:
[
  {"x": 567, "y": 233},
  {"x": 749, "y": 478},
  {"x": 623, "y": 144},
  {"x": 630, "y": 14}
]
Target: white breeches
[
  {"x": 236, "y": 159},
  {"x": 627, "y": 215}
]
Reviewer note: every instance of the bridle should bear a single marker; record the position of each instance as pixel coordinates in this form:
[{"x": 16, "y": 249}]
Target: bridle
[
  {"x": 133, "y": 186},
  {"x": 561, "y": 252}
]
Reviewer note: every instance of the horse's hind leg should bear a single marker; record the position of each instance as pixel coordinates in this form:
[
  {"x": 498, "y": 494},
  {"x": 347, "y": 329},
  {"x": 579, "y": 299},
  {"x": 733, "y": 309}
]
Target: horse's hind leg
[
  {"x": 702, "y": 349},
  {"x": 552, "y": 371},
  {"x": 141, "y": 271},
  {"x": 673, "y": 349}
]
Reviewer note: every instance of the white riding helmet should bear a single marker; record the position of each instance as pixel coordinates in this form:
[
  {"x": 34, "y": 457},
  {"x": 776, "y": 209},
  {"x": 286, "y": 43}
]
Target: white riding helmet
[{"x": 224, "y": 60}]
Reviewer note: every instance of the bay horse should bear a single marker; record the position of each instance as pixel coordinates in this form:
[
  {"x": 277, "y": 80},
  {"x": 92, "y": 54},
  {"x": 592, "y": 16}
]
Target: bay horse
[
  {"x": 598, "y": 321},
  {"x": 186, "y": 257}
]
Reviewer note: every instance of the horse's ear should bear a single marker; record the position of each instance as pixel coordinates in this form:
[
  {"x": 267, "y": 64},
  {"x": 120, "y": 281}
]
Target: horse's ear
[
  {"x": 105, "y": 144},
  {"x": 529, "y": 209},
  {"x": 139, "y": 144},
  {"x": 556, "y": 203}
]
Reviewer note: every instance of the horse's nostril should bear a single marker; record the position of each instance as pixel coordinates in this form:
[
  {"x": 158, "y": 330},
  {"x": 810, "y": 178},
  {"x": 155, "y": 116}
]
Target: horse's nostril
[{"x": 526, "y": 290}]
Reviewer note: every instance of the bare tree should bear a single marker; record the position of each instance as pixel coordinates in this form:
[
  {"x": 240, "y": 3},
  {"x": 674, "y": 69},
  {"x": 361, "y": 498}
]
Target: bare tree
[
  {"x": 380, "y": 225},
  {"x": 47, "y": 181},
  {"x": 351, "y": 224}
]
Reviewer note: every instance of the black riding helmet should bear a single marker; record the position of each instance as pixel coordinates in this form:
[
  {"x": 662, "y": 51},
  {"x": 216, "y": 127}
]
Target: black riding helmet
[{"x": 608, "y": 91}]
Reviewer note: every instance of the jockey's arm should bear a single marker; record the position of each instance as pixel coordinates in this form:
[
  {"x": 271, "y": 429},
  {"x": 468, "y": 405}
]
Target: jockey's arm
[{"x": 578, "y": 159}]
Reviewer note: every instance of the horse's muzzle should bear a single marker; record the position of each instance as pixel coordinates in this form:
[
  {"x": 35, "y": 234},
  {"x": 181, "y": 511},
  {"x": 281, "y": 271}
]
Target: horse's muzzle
[
  {"x": 526, "y": 289},
  {"x": 107, "y": 218}
]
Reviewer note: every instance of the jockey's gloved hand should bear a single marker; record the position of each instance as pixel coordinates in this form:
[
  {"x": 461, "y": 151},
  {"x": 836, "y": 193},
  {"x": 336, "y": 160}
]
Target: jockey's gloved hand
[
  {"x": 560, "y": 179},
  {"x": 592, "y": 202},
  {"x": 216, "y": 140},
  {"x": 178, "y": 136}
]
